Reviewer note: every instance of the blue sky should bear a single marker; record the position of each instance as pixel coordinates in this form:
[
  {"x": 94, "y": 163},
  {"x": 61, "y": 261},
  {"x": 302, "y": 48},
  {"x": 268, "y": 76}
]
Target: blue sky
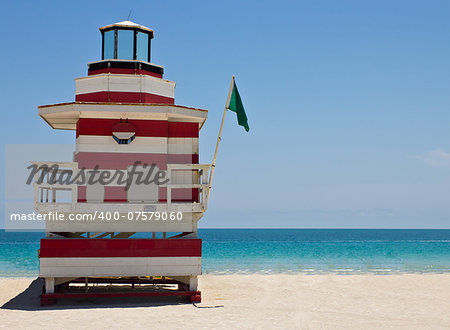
[{"x": 348, "y": 101}]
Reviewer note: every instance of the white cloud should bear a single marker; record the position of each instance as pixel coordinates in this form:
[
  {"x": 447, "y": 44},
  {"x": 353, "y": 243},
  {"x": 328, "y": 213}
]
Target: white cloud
[{"x": 437, "y": 158}]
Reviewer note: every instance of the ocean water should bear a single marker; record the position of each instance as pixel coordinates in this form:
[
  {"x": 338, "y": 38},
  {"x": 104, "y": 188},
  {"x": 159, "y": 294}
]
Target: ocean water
[{"x": 271, "y": 251}]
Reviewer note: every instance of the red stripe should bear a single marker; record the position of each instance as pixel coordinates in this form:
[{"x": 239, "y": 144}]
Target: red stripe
[
  {"x": 146, "y": 128},
  {"x": 180, "y": 129},
  {"x": 124, "y": 97},
  {"x": 116, "y": 194},
  {"x": 97, "y": 248},
  {"x": 182, "y": 159},
  {"x": 111, "y": 160},
  {"x": 81, "y": 194},
  {"x": 48, "y": 299},
  {"x": 119, "y": 195},
  {"x": 124, "y": 71},
  {"x": 119, "y": 161},
  {"x": 180, "y": 195}
]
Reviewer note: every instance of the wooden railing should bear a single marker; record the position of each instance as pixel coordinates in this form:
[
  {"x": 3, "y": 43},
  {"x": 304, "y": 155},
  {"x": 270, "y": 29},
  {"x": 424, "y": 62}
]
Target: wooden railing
[
  {"x": 201, "y": 182},
  {"x": 45, "y": 190}
]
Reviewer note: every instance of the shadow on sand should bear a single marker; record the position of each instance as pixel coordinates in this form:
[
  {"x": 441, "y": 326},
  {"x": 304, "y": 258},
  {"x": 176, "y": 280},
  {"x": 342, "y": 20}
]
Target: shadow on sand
[{"x": 29, "y": 300}]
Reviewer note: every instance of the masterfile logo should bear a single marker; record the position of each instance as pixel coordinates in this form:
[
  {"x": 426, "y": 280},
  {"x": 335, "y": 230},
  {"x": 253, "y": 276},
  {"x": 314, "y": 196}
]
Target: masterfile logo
[{"x": 139, "y": 173}]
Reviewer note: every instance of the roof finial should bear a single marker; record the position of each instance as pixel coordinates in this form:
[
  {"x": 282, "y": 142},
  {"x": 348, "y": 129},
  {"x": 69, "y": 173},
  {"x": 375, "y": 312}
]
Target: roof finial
[{"x": 129, "y": 15}]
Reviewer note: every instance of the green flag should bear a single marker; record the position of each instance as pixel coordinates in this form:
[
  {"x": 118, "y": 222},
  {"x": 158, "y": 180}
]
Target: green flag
[{"x": 236, "y": 105}]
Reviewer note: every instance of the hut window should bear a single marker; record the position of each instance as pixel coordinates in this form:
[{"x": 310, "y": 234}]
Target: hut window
[{"x": 123, "y": 138}]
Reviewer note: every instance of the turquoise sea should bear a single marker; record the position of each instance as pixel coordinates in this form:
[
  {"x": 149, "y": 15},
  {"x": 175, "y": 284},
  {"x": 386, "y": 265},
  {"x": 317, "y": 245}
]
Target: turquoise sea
[{"x": 267, "y": 251}]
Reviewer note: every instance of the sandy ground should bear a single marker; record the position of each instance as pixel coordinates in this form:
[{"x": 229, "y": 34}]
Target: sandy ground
[{"x": 250, "y": 302}]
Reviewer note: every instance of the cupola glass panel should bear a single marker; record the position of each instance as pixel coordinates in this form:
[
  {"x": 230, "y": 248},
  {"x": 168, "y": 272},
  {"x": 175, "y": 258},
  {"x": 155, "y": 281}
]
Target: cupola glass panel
[
  {"x": 125, "y": 47},
  {"x": 126, "y": 44},
  {"x": 142, "y": 46},
  {"x": 108, "y": 47}
]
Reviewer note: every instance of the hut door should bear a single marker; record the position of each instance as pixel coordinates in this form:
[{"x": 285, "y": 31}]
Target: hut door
[{"x": 141, "y": 190}]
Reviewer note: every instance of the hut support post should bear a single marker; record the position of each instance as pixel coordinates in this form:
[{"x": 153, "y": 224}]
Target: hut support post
[
  {"x": 193, "y": 283},
  {"x": 49, "y": 285}
]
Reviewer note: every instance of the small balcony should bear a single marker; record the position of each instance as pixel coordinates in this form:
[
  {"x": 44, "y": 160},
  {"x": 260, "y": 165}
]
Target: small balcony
[{"x": 179, "y": 198}]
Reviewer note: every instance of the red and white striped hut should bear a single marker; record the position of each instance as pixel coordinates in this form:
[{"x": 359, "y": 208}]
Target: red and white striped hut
[{"x": 137, "y": 170}]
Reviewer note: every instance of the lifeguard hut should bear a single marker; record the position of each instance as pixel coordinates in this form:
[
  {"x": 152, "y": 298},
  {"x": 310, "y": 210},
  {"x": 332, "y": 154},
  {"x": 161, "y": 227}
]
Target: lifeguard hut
[{"x": 118, "y": 228}]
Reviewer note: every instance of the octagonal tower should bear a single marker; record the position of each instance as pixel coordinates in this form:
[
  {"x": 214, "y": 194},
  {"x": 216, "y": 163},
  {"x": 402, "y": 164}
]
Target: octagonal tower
[{"x": 129, "y": 131}]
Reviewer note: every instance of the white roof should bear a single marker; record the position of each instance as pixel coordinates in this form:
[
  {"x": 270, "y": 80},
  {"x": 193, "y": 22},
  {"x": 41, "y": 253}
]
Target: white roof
[
  {"x": 129, "y": 24},
  {"x": 66, "y": 115}
]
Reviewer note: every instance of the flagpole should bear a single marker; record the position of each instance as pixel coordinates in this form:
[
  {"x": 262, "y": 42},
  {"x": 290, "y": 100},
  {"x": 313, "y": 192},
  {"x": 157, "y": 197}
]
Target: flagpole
[{"x": 213, "y": 165}]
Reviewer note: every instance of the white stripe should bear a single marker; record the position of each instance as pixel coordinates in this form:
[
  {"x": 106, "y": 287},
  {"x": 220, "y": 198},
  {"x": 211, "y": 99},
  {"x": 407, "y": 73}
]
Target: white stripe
[
  {"x": 99, "y": 143},
  {"x": 141, "y": 144},
  {"x": 125, "y": 83},
  {"x": 183, "y": 146},
  {"x": 134, "y": 266}
]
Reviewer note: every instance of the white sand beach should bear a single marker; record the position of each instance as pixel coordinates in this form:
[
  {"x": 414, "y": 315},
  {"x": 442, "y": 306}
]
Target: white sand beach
[{"x": 249, "y": 302}]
